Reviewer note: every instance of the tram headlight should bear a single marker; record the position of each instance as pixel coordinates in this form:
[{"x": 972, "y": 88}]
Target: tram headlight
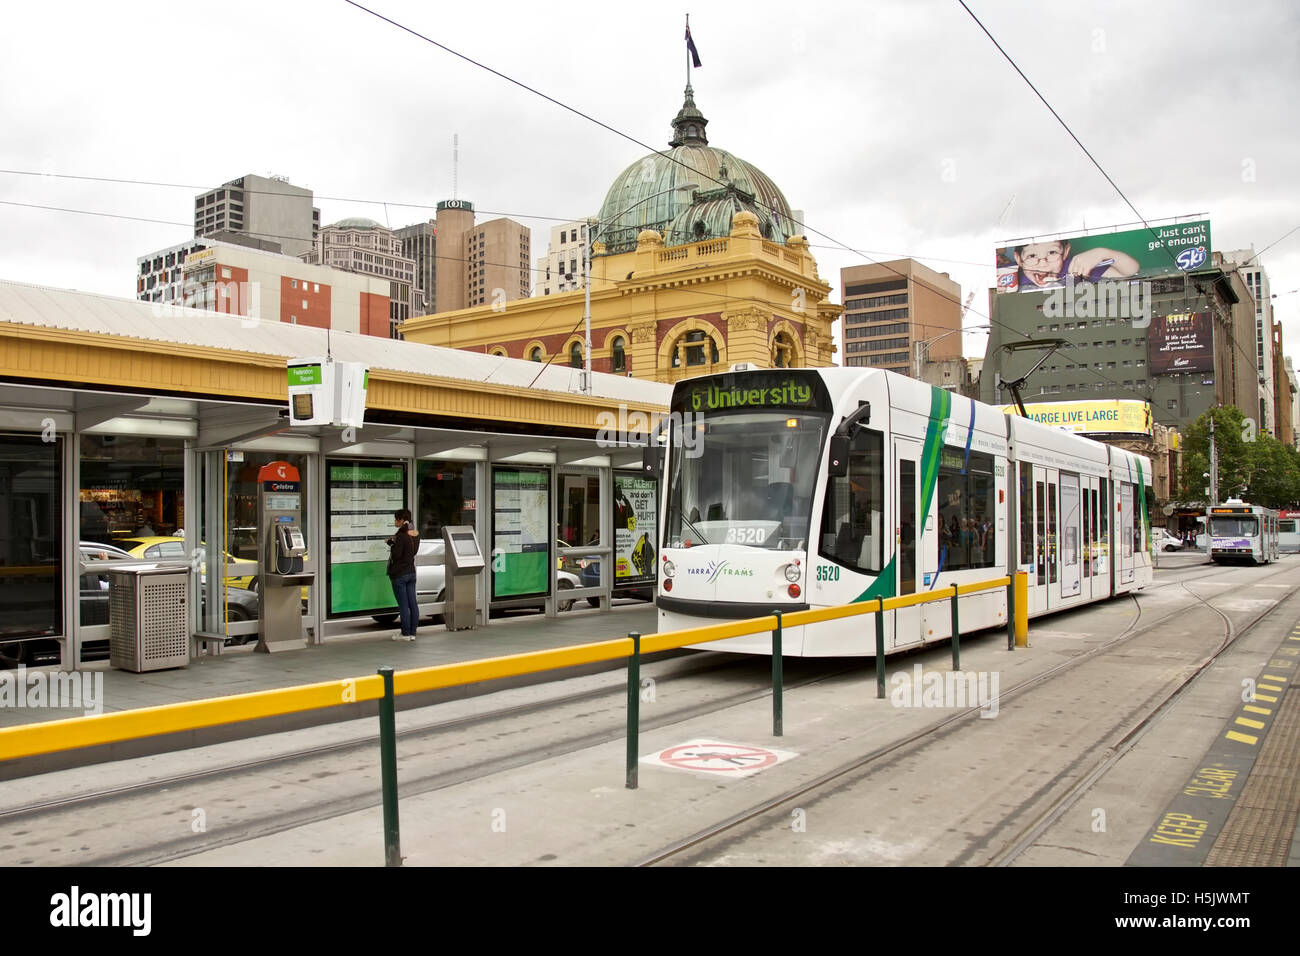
[
  {"x": 793, "y": 572},
  {"x": 669, "y": 569}
]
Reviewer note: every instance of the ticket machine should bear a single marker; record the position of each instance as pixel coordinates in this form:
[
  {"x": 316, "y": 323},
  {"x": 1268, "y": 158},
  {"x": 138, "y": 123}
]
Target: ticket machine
[
  {"x": 281, "y": 578},
  {"x": 464, "y": 561}
]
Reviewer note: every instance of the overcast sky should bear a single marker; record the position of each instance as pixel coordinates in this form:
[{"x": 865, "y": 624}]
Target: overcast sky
[{"x": 894, "y": 124}]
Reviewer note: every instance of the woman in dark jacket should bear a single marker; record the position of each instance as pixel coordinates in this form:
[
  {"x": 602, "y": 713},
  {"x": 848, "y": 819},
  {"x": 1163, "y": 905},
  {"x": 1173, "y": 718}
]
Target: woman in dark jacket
[{"x": 402, "y": 548}]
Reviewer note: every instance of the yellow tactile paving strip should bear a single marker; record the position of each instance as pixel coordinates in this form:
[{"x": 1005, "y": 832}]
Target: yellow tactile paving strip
[{"x": 1260, "y": 828}]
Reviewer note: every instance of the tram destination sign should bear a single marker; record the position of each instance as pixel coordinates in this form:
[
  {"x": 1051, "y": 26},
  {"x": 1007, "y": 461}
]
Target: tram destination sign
[{"x": 738, "y": 391}]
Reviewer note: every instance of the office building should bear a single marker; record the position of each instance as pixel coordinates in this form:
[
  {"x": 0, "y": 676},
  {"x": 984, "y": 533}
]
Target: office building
[
  {"x": 561, "y": 269},
  {"x": 262, "y": 208},
  {"x": 420, "y": 245},
  {"x": 898, "y": 315},
  {"x": 272, "y": 287},
  {"x": 365, "y": 247}
]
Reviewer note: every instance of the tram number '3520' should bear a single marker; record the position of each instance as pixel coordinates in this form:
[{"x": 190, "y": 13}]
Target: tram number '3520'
[
  {"x": 745, "y": 536},
  {"x": 828, "y": 572}
]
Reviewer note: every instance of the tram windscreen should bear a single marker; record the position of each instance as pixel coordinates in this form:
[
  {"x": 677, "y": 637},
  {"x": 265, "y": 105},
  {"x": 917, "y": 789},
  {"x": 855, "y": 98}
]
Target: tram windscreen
[
  {"x": 1244, "y": 527},
  {"x": 744, "y": 477}
]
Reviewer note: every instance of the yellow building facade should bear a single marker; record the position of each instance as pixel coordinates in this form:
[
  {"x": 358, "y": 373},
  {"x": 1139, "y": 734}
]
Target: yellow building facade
[
  {"x": 698, "y": 263},
  {"x": 664, "y": 313}
]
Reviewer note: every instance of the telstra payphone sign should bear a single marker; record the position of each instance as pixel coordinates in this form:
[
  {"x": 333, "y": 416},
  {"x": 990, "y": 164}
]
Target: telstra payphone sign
[{"x": 325, "y": 392}]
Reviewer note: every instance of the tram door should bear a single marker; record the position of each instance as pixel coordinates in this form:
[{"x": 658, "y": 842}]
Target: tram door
[
  {"x": 1093, "y": 583},
  {"x": 1124, "y": 534},
  {"x": 1043, "y": 578},
  {"x": 909, "y": 534},
  {"x": 1071, "y": 537}
]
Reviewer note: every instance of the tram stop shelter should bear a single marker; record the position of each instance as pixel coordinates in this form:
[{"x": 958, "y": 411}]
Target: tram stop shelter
[{"x": 133, "y": 431}]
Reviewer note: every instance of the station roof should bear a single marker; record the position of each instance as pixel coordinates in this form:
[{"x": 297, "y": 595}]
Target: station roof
[
  {"x": 73, "y": 311},
  {"x": 84, "y": 339}
]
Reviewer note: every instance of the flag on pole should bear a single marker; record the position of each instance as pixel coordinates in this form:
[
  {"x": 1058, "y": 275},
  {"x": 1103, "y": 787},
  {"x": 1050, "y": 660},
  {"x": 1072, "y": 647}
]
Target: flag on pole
[{"x": 690, "y": 48}]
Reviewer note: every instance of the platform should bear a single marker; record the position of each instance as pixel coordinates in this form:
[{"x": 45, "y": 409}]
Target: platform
[{"x": 350, "y": 649}]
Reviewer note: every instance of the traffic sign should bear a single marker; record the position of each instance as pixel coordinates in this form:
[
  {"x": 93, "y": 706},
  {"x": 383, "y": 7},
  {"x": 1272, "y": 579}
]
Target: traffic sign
[{"x": 715, "y": 757}]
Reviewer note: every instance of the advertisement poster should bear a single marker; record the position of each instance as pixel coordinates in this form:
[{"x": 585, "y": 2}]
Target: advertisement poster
[
  {"x": 1132, "y": 254},
  {"x": 1116, "y": 416},
  {"x": 1183, "y": 342},
  {"x": 362, "y": 499},
  {"x": 635, "y": 524},
  {"x": 521, "y": 532}
]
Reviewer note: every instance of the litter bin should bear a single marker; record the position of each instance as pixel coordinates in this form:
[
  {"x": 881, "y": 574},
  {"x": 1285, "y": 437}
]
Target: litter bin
[{"x": 149, "y": 618}]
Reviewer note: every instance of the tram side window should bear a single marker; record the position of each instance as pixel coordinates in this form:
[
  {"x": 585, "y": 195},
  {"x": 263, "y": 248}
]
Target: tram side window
[
  {"x": 1104, "y": 512},
  {"x": 1137, "y": 521},
  {"x": 853, "y": 514},
  {"x": 1150, "y": 498},
  {"x": 967, "y": 521},
  {"x": 1025, "y": 502}
]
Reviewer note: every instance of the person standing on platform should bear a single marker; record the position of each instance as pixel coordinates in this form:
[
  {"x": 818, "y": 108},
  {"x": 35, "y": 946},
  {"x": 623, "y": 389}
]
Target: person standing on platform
[{"x": 402, "y": 547}]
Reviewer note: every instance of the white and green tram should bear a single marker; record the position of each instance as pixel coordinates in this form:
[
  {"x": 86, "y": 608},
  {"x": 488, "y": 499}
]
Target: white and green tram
[{"x": 787, "y": 489}]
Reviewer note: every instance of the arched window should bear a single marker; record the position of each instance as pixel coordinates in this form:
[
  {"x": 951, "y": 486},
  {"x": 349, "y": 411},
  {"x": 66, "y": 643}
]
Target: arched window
[
  {"x": 699, "y": 229},
  {"x": 782, "y": 351},
  {"x": 575, "y": 355},
  {"x": 618, "y": 356},
  {"x": 535, "y": 354},
  {"x": 700, "y": 349},
  {"x": 499, "y": 353}
]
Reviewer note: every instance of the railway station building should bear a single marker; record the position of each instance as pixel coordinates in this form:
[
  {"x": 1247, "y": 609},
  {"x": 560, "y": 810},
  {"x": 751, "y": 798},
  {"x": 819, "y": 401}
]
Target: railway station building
[
  {"x": 697, "y": 264},
  {"x": 124, "y": 431}
]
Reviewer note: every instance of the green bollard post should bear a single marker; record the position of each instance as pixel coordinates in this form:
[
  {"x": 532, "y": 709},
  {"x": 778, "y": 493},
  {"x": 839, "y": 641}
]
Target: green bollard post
[
  {"x": 956, "y": 633},
  {"x": 388, "y": 770},
  {"x": 633, "y": 708},
  {"x": 778, "y": 715},
  {"x": 880, "y": 648}
]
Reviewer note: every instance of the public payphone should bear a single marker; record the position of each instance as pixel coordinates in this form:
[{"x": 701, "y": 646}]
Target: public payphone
[
  {"x": 463, "y": 562},
  {"x": 281, "y": 577}
]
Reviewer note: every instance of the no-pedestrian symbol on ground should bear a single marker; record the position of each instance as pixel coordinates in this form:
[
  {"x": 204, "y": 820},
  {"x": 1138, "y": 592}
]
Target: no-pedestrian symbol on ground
[{"x": 715, "y": 757}]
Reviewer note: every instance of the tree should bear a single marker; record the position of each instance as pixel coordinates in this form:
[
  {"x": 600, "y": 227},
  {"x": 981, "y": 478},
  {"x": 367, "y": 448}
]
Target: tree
[{"x": 1262, "y": 470}]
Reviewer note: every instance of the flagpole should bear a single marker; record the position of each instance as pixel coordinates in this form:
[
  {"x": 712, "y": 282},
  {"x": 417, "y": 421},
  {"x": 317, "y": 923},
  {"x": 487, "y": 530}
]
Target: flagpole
[{"x": 688, "y": 51}]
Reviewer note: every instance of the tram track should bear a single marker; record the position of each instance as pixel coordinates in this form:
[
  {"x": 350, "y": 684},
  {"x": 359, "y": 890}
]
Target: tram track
[
  {"x": 1117, "y": 750},
  {"x": 916, "y": 741},
  {"x": 175, "y": 790}
]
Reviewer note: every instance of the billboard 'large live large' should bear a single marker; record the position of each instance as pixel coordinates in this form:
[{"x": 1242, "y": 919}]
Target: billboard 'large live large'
[
  {"x": 1133, "y": 254},
  {"x": 1183, "y": 342}
]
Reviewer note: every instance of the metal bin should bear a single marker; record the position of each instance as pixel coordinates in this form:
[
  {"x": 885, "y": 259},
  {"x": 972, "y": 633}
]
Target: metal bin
[{"x": 148, "y": 618}]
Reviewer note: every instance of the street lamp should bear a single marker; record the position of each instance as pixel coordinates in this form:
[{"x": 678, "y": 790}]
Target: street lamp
[
  {"x": 592, "y": 229},
  {"x": 928, "y": 342}
]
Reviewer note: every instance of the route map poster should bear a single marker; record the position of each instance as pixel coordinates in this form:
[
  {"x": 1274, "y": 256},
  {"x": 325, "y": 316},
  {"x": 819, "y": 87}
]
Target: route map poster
[
  {"x": 521, "y": 532},
  {"x": 362, "y": 499},
  {"x": 635, "y": 519}
]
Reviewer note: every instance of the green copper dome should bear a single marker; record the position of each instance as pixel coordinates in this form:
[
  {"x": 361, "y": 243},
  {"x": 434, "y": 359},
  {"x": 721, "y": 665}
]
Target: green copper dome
[
  {"x": 358, "y": 222},
  {"x": 649, "y": 194}
]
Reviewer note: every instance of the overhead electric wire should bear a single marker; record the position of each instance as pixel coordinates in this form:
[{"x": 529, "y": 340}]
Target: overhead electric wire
[
  {"x": 699, "y": 173},
  {"x": 1252, "y": 360}
]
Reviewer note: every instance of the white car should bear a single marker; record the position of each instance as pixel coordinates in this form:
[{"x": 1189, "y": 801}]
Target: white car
[{"x": 1170, "y": 542}]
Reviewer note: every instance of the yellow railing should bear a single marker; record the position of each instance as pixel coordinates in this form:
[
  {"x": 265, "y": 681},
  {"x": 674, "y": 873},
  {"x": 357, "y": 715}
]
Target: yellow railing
[{"x": 100, "y": 729}]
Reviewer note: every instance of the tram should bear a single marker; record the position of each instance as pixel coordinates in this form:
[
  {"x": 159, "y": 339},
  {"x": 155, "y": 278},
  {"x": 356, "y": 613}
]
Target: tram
[
  {"x": 1288, "y": 531},
  {"x": 789, "y": 489},
  {"x": 1243, "y": 532}
]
